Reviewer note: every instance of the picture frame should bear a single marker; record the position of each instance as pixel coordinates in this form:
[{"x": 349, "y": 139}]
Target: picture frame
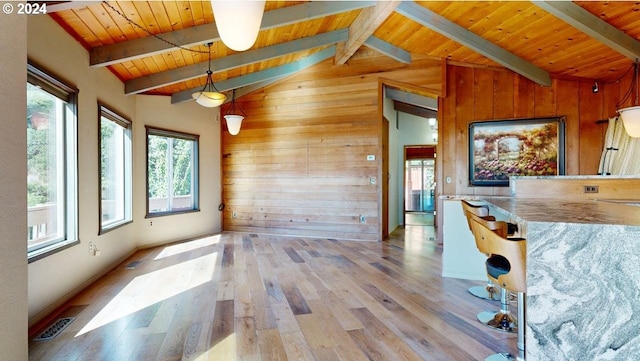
[{"x": 499, "y": 149}]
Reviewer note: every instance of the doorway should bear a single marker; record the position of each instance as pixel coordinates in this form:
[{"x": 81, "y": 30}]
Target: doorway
[{"x": 419, "y": 185}]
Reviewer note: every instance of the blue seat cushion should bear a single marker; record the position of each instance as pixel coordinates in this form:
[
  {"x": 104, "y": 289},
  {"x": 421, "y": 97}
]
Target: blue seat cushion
[{"x": 497, "y": 266}]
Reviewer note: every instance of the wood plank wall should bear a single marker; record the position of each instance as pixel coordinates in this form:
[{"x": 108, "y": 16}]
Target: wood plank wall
[
  {"x": 475, "y": 94},
  {"x": 299, "y": 165}
]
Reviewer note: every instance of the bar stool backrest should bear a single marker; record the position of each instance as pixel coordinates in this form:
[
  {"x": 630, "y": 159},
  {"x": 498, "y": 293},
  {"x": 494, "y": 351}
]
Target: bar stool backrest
[
  {"x": 479, "y": 210},
  {"x": 482, "y": 212},
  {"x": 512, "y": 249}
]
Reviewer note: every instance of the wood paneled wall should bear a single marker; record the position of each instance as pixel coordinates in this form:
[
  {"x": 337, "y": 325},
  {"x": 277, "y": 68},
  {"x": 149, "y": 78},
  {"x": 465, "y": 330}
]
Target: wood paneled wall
[
  {"x": 475, "y": 94},
  {"x": 299, "y": 165}
]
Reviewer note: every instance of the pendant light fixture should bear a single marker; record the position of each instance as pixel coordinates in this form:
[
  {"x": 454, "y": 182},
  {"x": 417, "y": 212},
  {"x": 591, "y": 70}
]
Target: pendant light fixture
[
  {"x": 238, "y": 22},
  {"x": 233, "y": 117},
  {"x": 631, "y": 115},
  {"x": 209, "y": 96}
]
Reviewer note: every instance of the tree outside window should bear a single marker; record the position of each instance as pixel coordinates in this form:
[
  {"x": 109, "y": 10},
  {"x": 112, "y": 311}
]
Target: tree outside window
[{"x": 172, "y": 169}]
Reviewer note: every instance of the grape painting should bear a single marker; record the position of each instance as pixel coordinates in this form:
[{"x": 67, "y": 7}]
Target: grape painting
[{"x": 521, "y": 148}]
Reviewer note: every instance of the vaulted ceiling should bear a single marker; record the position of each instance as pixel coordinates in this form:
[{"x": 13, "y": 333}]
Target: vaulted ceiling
[{"x": 158, "y": 47}]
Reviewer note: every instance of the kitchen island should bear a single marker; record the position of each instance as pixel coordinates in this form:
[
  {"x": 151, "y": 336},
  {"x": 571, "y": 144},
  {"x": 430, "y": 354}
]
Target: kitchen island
[{"x": 583, "y": 276}]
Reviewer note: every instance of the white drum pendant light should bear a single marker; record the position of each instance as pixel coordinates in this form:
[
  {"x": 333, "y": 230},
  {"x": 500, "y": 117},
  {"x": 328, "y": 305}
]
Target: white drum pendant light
[{"x": 238, "y": 22}]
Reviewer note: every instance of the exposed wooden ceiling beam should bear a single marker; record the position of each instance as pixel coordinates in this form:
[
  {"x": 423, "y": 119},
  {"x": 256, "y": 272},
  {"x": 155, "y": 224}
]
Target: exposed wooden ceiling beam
[
  {"x": 415, "y": 110},
  {"x": 261, "y": 76},
  {"x": 480, "y": 45},
  {"x": 142, "y": 47},
  {"x": 240, "y": 92},
  {"x": 363, "y": 27},
  {"x": 152, "y": 81},
  {"x": 593, "y": 26},
  {"x": 411, "y": 98},
  {"x": 388, "y": 49}
]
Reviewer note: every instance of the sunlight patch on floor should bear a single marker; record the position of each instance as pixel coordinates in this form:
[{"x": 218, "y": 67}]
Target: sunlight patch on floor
[
  {"x": 224, "y": 350},
  {"x": 149, "y": 289},
  {"x": 188, "y": 246}
]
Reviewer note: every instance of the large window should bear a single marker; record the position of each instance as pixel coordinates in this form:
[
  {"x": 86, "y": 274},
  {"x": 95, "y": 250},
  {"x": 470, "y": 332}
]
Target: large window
[
  {"x": 51, "y": 164},
  {"x": 115, "y": 170},
  {"x": 172, "y": 172}
]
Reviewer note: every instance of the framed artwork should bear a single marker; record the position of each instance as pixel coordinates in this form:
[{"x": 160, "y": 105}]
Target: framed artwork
[{"x": 499, "y": 149}]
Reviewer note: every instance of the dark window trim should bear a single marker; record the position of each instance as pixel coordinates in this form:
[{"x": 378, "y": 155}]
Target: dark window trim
[
  {"x": 163, "y": 132},
  {"x": 55, "y": 85},
  {"x": 106, "y": 111}
]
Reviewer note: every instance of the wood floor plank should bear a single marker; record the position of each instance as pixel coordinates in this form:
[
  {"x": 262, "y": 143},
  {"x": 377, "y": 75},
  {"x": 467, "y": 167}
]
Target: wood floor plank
[
  {"x": 247, "y": 337},
  {"x": 296, "y": 346},
  {"x": 271, "y": 346},
  {"x": 255, "y": 297},
  {"x": 297, "y": 302},
  {"x": 374, "y": 350}
]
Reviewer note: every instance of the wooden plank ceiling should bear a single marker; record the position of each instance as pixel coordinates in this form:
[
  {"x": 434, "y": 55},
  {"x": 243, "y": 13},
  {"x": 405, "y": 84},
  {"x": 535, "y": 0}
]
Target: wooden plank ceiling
[{"x": 138, "y": 40}]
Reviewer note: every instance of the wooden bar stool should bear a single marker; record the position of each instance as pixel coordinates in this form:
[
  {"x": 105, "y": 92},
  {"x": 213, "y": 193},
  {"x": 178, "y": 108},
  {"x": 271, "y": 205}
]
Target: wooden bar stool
[
  {"x": 490, "y": 291},
  {"x": 506, "y": 267},
  {"x": 502, "y": 319}
]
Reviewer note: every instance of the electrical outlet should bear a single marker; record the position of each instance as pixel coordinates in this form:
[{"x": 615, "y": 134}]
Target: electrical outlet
[
  {"x": 591, "y": 189},
  {"x": 363, "y": 218},
  {"x": 92, "y": 248}
]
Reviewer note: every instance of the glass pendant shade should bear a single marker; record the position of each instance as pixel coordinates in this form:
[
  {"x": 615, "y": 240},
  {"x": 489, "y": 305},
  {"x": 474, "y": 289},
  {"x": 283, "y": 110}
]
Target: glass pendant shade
[
  {"x": 209, "y": 99},
  {"x": 631, "y": 120},
  {"x": 234, "y": 122},
  {"x": 238, "y": 22}
]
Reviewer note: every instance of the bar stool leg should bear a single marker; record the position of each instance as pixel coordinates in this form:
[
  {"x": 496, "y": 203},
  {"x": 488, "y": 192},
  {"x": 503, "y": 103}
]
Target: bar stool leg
[
  {"x": 488, "y": 292},
  {"x": 521, "y": 316},
  {"x": 502, "y": 320},
  {"x": 521, "y": 337}
]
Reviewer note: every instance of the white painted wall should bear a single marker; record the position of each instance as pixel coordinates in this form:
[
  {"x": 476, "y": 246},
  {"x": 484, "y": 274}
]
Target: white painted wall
[
  {"x": 53, "y": 279},
  {"x": 157, "y": 111},
  {"x": 13, "y": 188},
  {"x": 411, "y": 130},
  {"x": 414, "y": 130}
]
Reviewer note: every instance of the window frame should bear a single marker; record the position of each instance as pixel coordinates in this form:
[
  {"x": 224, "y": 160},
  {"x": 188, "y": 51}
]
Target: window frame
[
  {"x": 60, "y": 89},
  {"x": 155, "y": 131},
  {"x": 104, "y": 111}
]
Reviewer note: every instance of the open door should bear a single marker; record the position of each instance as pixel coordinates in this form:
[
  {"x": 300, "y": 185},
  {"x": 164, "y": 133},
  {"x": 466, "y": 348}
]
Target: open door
[{"x": 419, "y": 180}]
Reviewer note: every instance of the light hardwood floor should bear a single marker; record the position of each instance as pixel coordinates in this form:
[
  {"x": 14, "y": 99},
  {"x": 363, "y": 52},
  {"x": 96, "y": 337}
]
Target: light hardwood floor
[{"x": 254, "y": 297}]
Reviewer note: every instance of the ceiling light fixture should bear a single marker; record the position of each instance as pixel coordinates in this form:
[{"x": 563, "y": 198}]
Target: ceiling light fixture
[
  {"x": 233, "y": 117},
  {"x": 209, "y": 96},
  {"x": 631, "y": 115},
  {"x": 238, "y": 22}
]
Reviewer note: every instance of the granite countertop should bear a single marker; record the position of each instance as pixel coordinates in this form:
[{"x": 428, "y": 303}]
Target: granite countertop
[{"x": 566, "y": 211}]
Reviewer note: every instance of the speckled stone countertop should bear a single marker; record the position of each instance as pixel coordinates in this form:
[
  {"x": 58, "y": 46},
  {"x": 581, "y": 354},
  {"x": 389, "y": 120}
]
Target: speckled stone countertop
[{"x": 583, "y": 277}]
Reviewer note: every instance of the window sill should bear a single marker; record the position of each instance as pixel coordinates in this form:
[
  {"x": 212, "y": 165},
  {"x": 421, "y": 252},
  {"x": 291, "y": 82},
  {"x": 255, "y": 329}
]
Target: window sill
[
  {"x": 49, "y": 250},
  {"x": 170, "y": 213},
  {"x": 113, "y": 226}
]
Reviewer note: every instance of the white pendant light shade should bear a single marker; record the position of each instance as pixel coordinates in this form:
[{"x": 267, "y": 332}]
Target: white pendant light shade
[
  {"x": 209, "y": 99},
  {"x": 238, "y": 22},
  {"x": 631, "y": 119},
  {"x": 233, "y": 123}
]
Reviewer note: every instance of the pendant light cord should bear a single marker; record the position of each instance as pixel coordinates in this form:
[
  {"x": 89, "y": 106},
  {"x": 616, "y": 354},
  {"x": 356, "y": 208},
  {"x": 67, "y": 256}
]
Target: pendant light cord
[
  {"x": 633, "y": 87},
  {"x": 232, "y": 108},
  {"x": 130, "y": 21}
]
